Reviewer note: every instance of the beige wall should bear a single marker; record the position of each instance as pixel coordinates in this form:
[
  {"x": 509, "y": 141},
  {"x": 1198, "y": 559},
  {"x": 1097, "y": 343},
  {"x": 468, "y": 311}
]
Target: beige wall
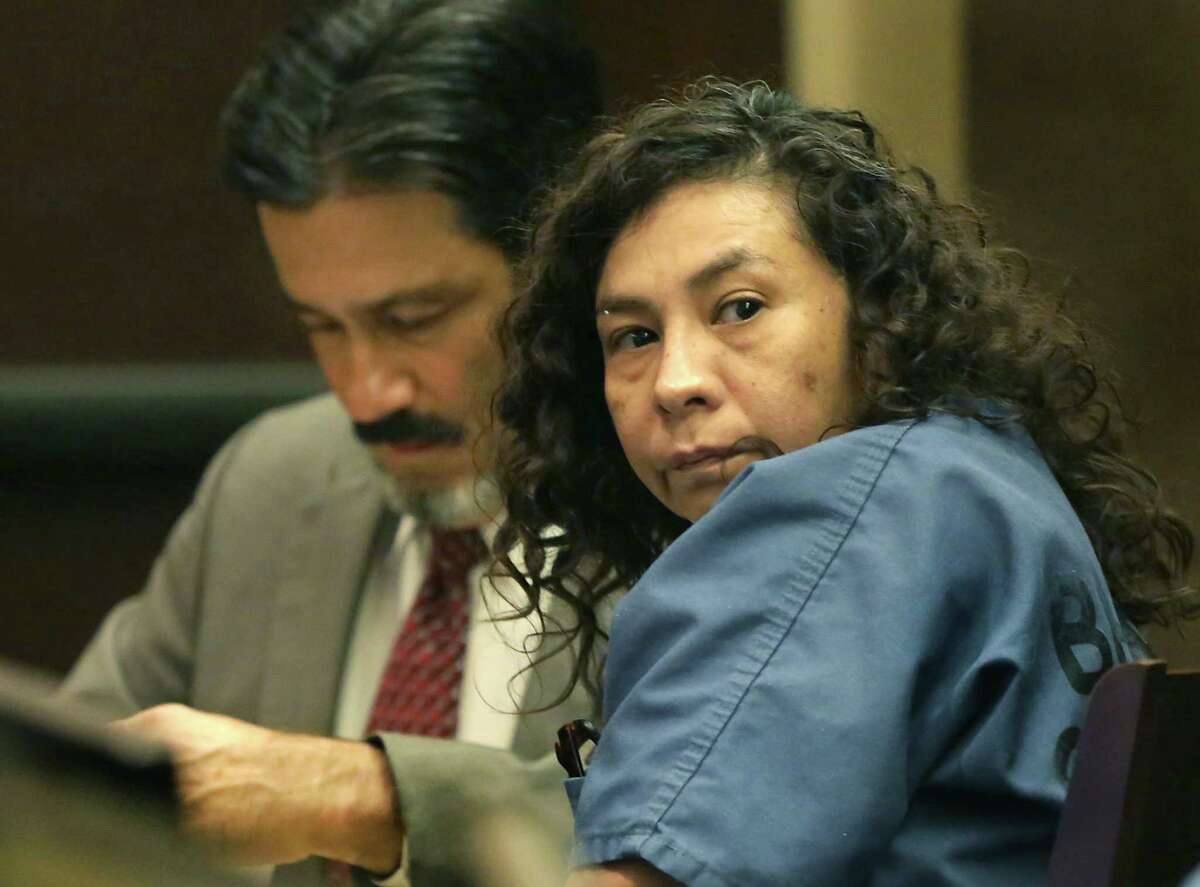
[{"x": 900, "y": 62}]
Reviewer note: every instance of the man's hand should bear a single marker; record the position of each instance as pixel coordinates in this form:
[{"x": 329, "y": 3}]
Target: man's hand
[{"x": 262, "y": 796}]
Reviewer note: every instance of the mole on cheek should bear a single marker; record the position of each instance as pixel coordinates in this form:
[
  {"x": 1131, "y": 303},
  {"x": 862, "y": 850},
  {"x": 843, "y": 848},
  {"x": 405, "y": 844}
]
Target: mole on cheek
[{"x": 810, "y": 381}]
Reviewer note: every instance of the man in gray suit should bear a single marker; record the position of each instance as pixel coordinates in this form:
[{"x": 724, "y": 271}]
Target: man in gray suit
[{"x": 390, "y": 148}]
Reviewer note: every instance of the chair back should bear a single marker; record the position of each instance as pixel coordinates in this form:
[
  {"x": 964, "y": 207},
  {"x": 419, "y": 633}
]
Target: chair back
[{"x": 1132, "y": 814}]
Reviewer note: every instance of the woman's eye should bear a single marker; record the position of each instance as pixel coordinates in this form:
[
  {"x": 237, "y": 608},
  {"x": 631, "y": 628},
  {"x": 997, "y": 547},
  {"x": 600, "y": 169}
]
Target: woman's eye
[
  {"x": 738, "y": 310},
  {"x": 639, "y": 337}
]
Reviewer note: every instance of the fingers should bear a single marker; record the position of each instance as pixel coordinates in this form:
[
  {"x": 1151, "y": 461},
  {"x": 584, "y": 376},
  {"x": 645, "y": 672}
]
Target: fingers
[{"x": 156, "y": 721}]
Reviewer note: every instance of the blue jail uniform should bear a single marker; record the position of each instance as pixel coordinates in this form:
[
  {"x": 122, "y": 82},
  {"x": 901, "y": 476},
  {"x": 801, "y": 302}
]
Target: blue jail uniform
[{"x": 867, "y": 664}]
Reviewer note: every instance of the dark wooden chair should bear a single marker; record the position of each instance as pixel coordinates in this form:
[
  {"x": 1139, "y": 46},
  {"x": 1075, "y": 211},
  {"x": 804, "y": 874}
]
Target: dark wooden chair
[{"x": 1132, "y": 816}]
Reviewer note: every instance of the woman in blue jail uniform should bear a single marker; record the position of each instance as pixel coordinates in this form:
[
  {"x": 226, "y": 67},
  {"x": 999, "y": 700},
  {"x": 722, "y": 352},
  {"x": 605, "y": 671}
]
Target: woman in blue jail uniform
[{"x": 867, "y": 489}]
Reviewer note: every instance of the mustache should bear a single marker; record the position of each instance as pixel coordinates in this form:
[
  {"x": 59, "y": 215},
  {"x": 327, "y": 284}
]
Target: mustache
[{"x": 405, "y": 426}]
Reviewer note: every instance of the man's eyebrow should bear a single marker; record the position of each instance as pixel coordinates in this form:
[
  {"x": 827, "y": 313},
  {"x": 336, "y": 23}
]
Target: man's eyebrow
[
  {"x": 299, "y": 307},
  {"x": 730, "y": 260},
  {"x": 436, "y": 292},
  {"x": 432, "y": 292}
]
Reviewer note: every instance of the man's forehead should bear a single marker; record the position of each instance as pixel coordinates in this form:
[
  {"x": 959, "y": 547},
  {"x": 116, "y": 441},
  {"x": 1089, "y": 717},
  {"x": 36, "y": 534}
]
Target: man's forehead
[
  {"x": 361, "y": 217},
  {"x": 375, "y": 246}
]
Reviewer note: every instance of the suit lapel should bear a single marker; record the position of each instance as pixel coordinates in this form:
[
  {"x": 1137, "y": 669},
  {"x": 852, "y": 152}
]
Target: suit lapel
[
  {"x": 315, "y": 603},
  {"x": 340, "y": 532}
]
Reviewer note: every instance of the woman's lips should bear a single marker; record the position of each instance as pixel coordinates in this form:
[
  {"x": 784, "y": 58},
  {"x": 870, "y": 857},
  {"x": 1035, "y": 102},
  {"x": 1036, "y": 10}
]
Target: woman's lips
[{"x": 698, "y": 458}]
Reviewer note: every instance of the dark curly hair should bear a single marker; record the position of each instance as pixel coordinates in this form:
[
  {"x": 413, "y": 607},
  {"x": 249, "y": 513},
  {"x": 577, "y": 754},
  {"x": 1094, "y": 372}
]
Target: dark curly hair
[{"x": 940, "y": 321}]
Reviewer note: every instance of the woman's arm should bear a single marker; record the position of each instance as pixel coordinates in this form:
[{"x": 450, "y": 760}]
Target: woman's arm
[{"x": 624, "y": 873}]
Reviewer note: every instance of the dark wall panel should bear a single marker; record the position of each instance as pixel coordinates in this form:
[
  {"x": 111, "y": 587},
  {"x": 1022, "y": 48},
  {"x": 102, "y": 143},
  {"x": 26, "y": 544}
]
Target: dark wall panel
[
  {"x": 118, "y": 244},
  {"x": 646, "y": 48},
  {"x": 1083, "y": 128}
]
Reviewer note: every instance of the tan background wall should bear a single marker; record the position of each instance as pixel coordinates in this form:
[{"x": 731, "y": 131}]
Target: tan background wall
[{"x": 900, "y": 62}]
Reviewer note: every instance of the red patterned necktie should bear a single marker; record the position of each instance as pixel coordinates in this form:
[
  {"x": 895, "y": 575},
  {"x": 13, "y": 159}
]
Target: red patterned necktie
[{"x": 418, "y": 692}]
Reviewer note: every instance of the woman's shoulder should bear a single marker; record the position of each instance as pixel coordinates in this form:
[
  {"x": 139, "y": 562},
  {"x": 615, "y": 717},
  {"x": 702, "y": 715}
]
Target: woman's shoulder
[
  {"x": 940, "y": 454},
  {"x": 954, "y": 489}
]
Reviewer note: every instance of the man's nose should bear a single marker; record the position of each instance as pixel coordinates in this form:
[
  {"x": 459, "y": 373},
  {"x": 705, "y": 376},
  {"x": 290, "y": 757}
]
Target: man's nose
[
  {"x": 378, "y": 382},
  {"x": 686, "y": 379}
]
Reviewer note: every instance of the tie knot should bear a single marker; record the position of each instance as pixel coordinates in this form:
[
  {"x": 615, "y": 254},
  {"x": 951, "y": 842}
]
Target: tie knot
[{"x": 452, "y": 554}]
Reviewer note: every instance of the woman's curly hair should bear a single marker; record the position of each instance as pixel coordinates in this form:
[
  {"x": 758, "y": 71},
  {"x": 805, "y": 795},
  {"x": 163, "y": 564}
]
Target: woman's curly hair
[{"x": 940, "y": 321}]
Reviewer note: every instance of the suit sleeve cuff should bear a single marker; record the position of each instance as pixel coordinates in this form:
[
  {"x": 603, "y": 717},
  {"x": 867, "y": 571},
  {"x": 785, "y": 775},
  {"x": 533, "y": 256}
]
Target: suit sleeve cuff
[{"x": 398, "y": 878}]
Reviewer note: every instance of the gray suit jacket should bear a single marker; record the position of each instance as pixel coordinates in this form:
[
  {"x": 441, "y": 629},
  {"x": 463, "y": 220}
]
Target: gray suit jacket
[{"x": 247, "y": 613}]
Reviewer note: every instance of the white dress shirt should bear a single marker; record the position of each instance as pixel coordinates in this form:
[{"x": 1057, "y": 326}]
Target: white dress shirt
[
  {"x": 493, "y": 679},
  {"x": 493, "y": 676}
]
